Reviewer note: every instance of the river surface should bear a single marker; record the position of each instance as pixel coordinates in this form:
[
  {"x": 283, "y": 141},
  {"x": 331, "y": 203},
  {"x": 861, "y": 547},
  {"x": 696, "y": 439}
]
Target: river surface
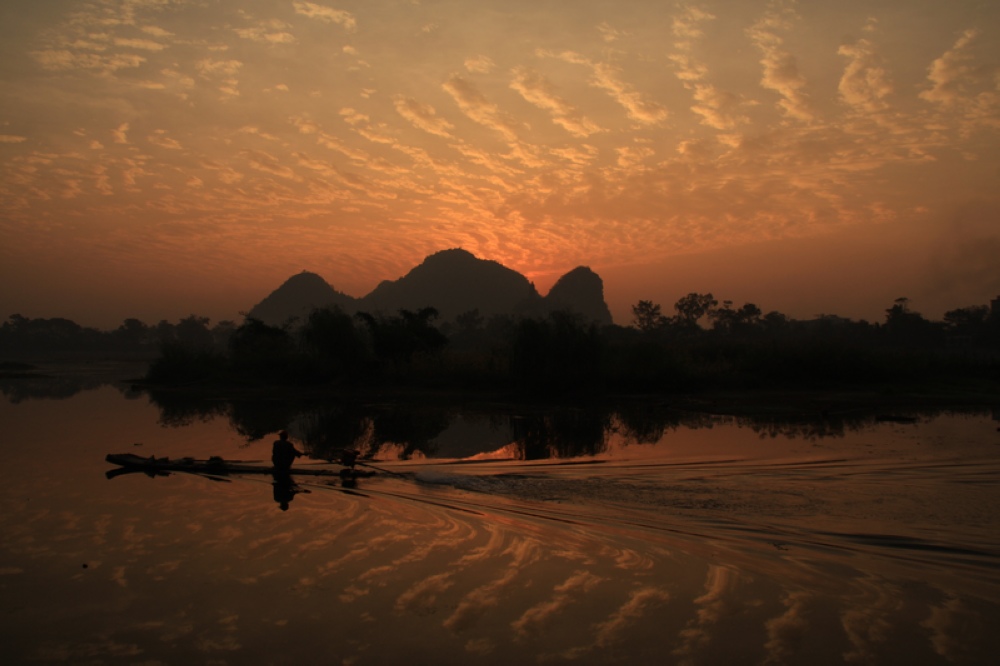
[{"x": 684, "y": 539}]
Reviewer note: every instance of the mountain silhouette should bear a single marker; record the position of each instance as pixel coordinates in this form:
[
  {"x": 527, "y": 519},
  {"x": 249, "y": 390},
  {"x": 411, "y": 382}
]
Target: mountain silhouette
[
  {"x": 297, "y": 297},
  {"x": 451, "y": 281},
  {"x": 581, "y": 291}
]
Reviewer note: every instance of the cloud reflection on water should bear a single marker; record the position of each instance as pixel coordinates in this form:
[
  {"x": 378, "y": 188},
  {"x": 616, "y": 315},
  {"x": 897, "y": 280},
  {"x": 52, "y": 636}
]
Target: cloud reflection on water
[
  {"x": 954, "y": 629},
  {"x": 799, "y": 557},
  {"x": 534, "y": 620},
  {"x": 479, "y": 600},
  {"x": 720, "y": 582},
  {"x": 785, "y": 632}
]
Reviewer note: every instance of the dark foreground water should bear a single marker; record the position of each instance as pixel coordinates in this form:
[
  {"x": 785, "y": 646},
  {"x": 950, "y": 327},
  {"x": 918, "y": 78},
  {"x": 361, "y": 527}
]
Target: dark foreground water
[{"x": 697, "y": 540}]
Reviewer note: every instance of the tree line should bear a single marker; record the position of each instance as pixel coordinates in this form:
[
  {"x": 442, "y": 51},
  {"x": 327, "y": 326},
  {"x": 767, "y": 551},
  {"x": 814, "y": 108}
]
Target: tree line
[
  {"x": 702, "y": 344},
  {"x": 22, "y": 336}
]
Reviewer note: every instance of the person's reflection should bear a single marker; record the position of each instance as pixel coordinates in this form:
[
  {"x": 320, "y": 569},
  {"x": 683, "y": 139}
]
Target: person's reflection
[
  {"x": 285, "y": 489},
  {"x": 348, "y": 477}
]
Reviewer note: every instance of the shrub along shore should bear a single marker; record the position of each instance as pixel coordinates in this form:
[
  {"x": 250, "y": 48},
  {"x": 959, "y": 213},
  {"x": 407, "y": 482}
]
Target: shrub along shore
[
  {"x": 562, "y": 355},
  {"x": 704, "y": 349}
]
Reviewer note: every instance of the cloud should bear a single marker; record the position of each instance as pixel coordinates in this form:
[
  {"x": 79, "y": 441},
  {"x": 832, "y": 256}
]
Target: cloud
[
  {"x": 580, "y": 156},
  {"x": 686, "y": 25},
  {"x": 487, "y": 160},
  {"x": 334, "y": 143},
  {"x": 630, "y": 157},
  {"x": 686, "y": 68},
  {"x": 647, "y": 113},
  {"x": 156, "y": 31},
  {"x": 949, "y": 73},
  {"x": 422, "y": 116},
  {"x": 226, "y": 70},
  {"x": 142, "y": 44},
  {"x": 538, "y": 90},
  {"x": 865, "y": 83},
  {"x": 12, "y": 138},
  {"x": 718, "y": 109},
  {"x": 606, "y": 77},
  {"x": 479, "y": 64},
  {"x": 353, "y": 117},
  {"x": 781, "y": 72},
  {"x": 964, "y": 87},
  {"x": 256, "y": 131},
  {"x": 159, "y": 138},
  {"x": 327, "y": 14},
  {"x": 477, "y": 108},
  {"x": 265, "y": 36},
  {"x": 62, "y": 60},
  {"x": 270, "y": 164},
  {"x": 211, "y": 68},
  {"x": 120, "y": 134},
  {"x": 609, "y": 33},
  {"x": 182, "y": 80}
]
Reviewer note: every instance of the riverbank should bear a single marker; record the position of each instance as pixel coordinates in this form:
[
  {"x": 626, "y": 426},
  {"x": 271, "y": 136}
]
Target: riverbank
[
  {"x": 820, "y": 403},
  {"x": 127, "y": 372}
]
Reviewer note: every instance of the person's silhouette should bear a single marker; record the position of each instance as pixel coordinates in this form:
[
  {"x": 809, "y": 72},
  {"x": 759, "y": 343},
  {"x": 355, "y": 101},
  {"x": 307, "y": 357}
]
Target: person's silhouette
[{"x": 283, "y": 453}]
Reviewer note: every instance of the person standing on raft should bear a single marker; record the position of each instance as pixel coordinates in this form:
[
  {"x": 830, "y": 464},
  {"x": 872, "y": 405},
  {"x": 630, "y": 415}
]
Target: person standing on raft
[{"x": 283, "y": 453}]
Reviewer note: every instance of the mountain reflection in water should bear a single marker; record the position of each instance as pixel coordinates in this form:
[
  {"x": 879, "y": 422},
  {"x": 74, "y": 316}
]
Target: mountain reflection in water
[
  {"x": 403, "y": 430},
  {"x": 631, "y": 535}
]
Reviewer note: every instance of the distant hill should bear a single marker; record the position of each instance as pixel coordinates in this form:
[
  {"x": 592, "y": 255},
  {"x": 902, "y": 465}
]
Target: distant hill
[
  {"x": 451, "y": 281},
  {"x": 582, "y": 291},
  {"x": 297, "y": 297}
]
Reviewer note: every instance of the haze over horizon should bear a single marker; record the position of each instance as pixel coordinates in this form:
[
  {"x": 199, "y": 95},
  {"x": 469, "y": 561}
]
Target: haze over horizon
[{"x": 160, "y": 158}]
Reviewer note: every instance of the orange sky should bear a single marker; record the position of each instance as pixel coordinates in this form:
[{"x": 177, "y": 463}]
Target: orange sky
[{"x": 166, "y": 157}]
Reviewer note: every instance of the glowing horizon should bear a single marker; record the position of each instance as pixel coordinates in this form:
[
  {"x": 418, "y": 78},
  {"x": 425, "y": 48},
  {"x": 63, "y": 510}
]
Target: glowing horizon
[{"x": 163, "y": 157}]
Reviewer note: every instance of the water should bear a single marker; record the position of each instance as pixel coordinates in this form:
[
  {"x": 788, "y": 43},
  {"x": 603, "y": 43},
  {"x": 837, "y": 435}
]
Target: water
[{"x": 508, "y": 536}]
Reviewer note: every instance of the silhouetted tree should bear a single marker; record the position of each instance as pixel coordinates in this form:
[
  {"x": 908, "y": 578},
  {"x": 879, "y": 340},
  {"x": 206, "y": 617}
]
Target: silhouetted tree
[
  {"x": 164, "y": 332},
  {"x": 132, "y": 334},
  {"x": 469, "y": 329},
  {"x": 20, "y": 333},
  {"x": 646, "y": 316},
  {"x": 908, "y": 327},
  {"x": 968, "y": 320},
  {"x": 470, "y": 321},
  {"x": 774, "y": 321},
  {"x": 221, "y": 333},
  {"x": 692, "y": 308},
  {"x": 262, "y": 351},
  {"x": 558, "y": 352},
  {"x": 397, "y": 339},
  {"x": 728, "y": 320},
  {"x": 192, "y": 331},
  {"x": 329, "y": 335}
]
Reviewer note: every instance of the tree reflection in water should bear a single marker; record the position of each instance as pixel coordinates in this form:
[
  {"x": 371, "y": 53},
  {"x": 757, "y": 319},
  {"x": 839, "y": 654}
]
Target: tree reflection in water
[
  {"x": 561, "y": 432},
  {"x": 403, "y": 430}
]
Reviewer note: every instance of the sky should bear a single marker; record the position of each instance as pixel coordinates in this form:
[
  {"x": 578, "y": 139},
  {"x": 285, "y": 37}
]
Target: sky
[{"x": 160, "y": 158}]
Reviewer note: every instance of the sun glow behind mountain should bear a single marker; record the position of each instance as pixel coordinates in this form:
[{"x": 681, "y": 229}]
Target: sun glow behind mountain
[{"x": 160, "y": 157}]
